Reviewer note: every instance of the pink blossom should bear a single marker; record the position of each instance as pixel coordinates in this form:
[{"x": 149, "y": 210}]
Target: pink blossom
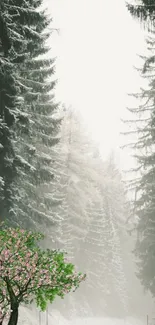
[{"x": 20, "y": 264}]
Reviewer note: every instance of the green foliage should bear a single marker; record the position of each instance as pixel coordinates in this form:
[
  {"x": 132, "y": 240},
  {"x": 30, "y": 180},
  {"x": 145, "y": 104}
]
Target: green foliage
[{"x": 28, "y": 273}]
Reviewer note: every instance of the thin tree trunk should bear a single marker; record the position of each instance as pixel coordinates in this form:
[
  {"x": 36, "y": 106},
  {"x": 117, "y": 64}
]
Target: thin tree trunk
[
  {"x": 14, "y": 304},
  {"x": 13, "y": 317}
]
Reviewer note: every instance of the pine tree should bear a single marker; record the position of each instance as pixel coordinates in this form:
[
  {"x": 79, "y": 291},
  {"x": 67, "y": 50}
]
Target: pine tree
[
  {"x": 144, "y": 207},
  {"x": 102, "y": 248},
  {"x": 36, "y": 129},
  {"x": 74, "y": 171},
  {"x": 144, "y": 11},
  {"x": 85, "y": 226},
  {"x": 80, "y": 171},
  {"x": 89, "y": 231},
  {"x": 9, "y": 107}
]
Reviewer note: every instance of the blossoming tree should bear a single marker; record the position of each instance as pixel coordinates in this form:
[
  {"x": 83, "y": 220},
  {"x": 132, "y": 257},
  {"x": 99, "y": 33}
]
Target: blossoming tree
[{"x": 28, "y": 273}]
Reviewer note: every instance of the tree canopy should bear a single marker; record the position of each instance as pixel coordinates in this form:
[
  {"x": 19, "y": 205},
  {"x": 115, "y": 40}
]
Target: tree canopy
[{"x": 29, "y": 273}]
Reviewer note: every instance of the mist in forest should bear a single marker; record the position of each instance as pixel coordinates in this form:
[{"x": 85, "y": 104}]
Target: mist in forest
[
  {"x": 95, "y": 67},
  {"x": 77, "y": 150}
]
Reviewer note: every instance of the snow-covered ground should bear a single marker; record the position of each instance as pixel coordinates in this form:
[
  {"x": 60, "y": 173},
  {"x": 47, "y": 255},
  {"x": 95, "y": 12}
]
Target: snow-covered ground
[
  {"x": 105, "y": 321},
  {"x": 31, "y": 317}
]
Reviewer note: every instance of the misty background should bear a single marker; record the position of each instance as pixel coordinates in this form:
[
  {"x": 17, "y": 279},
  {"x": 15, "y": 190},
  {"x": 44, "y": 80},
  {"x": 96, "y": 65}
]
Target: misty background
[
  {"x": 86, "y": 209},
  {"x": 97, "y": 46}
]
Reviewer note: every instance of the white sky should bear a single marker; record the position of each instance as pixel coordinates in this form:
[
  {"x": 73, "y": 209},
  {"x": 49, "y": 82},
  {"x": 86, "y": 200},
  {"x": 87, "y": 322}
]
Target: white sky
[{"x": 96, "y": 49}]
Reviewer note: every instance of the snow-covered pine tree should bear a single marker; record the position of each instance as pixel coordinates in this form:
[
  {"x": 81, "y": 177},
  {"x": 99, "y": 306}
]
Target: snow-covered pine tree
[
  {"x": 114, "y": 203},
  {"x": 9, "y": 109},
  {"x": 36, "y": 126},
  {"x": 90, "y": 230},
  {"x": 101, "y": 249},
  {"x": 95, "y": 253},
  {"x": 143, "y": 10},
  {"x": 144, "y": 152},
  {"x": 75, "y": 171}
]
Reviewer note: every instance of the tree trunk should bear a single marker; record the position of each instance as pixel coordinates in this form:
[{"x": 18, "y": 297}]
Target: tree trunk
[
  {"x": 14, "y": 303},
  {"x": 13, "y": 317}
]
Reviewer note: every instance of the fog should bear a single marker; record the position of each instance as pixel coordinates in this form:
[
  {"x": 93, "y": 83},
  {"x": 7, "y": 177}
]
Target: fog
[
  {"x": 96, "y": 48},
  {"x": 91, "y": 219}
]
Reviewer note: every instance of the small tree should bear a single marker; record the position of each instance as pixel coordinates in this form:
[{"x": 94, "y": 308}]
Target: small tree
[{"x": 29, "y": 273}]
